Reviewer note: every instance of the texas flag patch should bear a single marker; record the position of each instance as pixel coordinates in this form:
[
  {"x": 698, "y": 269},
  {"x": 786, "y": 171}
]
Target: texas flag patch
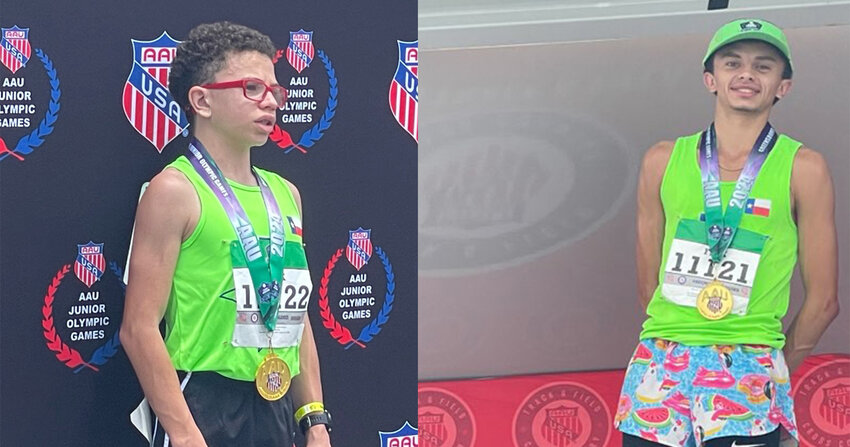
[
  {"x": 758, "y": 207},
  {"x": 294, "y": 225}
]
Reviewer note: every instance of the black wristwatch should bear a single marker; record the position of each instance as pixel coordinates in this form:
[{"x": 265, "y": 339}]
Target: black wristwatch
[{"x": 312, "y": 419}]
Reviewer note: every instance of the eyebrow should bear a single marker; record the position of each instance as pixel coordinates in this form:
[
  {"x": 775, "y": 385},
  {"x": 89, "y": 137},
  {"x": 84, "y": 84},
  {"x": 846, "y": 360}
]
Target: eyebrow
[
  {"x": 732, "y": 54},
  {"x": 767, "y": 58}
]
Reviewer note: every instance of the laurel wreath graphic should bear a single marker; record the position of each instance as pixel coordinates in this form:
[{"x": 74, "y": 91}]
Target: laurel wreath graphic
[
  {"x": 67, "y": 355},
  {"x": 339, "y": 332},
  {"x": 374, "y": 327},
  {"x": 108, "y": 350},
  {"x": 35, "y": 139},
  {"x": 309, "y": 138}
]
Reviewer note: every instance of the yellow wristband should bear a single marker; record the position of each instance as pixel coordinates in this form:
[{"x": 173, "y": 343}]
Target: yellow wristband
[{"x": 312, "y": 407}]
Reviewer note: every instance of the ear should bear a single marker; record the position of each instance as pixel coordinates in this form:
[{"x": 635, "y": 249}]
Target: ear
[
  {"x": 710, "y": 82},
  {"x": 784, "y": 88},
  {"x": 198, "y": 101}
]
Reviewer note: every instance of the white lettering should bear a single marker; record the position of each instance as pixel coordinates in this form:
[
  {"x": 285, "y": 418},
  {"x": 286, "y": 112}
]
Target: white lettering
[
  {"x": 89, "y": 296},
  {"x": 13, "y": 82},
  {"x": 16, "y": 95},
  {"x": 14, "y": 122},
  {"x": 297, "y": 118},
  {"x": 356, "y": 314},
  {"x": 298, "y": 80},
  {"x": 355, "y": 290},
  {"x": 357, "y": 277}
]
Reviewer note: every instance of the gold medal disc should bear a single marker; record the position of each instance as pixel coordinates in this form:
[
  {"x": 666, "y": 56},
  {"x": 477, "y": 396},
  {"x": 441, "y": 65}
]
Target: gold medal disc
[
  {"x": 272, "y": 377},
  {"x": 714, "y": 301}
]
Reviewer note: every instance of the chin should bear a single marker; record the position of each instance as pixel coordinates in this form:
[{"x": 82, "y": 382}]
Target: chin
[
  {"x": 746, "y": 108},
  {"x": 259, "y": 141}
]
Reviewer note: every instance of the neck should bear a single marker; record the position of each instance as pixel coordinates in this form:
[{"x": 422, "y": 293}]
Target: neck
[
  {"x": 234, "y": 162},
  {"x": 737, "y": 132}
]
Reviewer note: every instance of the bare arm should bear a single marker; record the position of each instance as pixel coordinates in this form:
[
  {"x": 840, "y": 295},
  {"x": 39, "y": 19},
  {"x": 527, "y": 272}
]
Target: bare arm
[
  {"x": 650, "y": 219},
  {"x": 307, "y": 386},
  {"x": 814, "y": 201},
  {"x": 164, "y": 218}
]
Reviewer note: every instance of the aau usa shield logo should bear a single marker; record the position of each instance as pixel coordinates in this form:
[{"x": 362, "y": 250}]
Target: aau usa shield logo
[
  {"x": 90, "y": 263},
  {"x": 404, "y": 88},
  {"x": 15, "y": 47},
  {"x": 359, "y": 248},
  {"x": 433, "y": 428},
  {"x": 406, "y": 436},
  {"x": 562, "y": 425},
  {"x": 148, "y": 105},
  {"x": 300, "y": 51},
  {"x": 835, "y": 408}
]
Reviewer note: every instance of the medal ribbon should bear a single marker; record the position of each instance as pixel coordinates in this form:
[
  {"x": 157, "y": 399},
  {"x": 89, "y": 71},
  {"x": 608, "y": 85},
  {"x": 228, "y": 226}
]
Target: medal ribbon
[
  {"x": 266, "y": 273},
  {"x": 721, "y": 229}
]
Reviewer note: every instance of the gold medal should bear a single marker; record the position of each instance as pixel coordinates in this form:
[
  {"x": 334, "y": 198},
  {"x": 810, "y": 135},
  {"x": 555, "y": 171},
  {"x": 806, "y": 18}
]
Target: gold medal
[
  {"x": 273, "y": 377},
  {"x": 714, "y": 301}
]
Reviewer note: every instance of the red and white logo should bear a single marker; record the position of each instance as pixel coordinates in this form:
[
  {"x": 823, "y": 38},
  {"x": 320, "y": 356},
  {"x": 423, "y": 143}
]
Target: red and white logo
[
  {"x": 444, "y": 419},
  {"x": 300, "y": 51},
  {"x": 822, "y": 403},
  {"x": 359, "y": 248},
  {"x": 404, "y": 88},
  {"x": 148, "y": 104},
  {"x": 562, "y": 414},
  {"x": 90, "y": 263},
  {"x": 15, "y": 48}
]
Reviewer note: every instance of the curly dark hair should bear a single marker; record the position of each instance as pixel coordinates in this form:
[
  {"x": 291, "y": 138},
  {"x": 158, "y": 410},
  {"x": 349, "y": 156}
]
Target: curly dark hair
[{"x": 203, "y": 54}]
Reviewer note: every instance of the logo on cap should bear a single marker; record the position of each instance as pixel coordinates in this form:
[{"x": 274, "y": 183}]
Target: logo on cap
[{"x": 750, "y": 25}]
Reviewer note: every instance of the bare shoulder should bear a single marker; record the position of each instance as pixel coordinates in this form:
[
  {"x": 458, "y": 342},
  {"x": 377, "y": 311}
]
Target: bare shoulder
[
  {"x": 170, "y": 201},
  {"x": 656, "y": 158},
  {"x": 811, "y": 182},
  {"x": 170, "y": 188},
  {"x": 809, "y": 163},
  {"x": 659, "y": 152},
  {"x": 810, "y": 173}
]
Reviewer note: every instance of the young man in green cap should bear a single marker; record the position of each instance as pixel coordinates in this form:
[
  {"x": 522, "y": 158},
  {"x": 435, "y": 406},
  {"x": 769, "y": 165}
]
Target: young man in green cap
[
  {"x": 217, "y": 253},
  {"x": 722, "y": 216}
]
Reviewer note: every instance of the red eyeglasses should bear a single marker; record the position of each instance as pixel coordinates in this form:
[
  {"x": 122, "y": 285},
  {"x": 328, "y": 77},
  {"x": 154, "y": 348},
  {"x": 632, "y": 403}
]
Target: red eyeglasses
[{"x": 254, "y": 89}]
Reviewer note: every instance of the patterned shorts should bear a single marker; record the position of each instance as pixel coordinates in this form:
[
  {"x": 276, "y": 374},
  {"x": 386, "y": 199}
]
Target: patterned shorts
[{"x": 680, "y": 395}]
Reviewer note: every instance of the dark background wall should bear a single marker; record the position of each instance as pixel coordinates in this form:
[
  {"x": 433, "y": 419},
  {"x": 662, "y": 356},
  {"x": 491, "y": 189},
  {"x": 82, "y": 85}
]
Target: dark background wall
[{"x": 82, "y": 181}]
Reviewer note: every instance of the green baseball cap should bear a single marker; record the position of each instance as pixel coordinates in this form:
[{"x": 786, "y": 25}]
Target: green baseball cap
[{"x": 755, "y": 29}]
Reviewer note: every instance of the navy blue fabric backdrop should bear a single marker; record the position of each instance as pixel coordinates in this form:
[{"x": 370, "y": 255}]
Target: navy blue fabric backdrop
[{"x": 72, "y": 163}]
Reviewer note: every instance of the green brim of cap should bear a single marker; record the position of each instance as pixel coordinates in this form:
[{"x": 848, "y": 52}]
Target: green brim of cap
[{"x": 745, "y": 29}]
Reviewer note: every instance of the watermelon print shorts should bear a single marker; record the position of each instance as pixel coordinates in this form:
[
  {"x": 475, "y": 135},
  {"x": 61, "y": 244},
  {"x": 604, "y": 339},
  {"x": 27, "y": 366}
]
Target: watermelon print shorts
[{"x": 680, "y": 395}]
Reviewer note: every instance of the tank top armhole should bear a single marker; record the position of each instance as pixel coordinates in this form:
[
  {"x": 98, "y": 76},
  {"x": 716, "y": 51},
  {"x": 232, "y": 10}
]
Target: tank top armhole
[
  {"x": 268, "y": 175},
  {"x": 193, "y": 236},
  {"x": 670, "y": 162},
  {"x": 796, "y": 145}
]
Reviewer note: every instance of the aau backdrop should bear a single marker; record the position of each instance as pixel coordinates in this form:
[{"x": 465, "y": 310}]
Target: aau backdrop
[{"x": 85, "y": 119}]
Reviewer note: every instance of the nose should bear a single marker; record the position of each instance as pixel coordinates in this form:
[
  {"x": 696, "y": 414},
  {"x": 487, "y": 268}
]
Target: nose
[
  {"x": 746, "y": 74},
  {"x": 268, "y": 101}
]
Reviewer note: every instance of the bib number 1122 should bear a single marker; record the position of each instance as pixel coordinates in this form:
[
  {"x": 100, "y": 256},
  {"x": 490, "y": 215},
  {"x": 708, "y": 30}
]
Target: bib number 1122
[{"x": 292, "y": 298}]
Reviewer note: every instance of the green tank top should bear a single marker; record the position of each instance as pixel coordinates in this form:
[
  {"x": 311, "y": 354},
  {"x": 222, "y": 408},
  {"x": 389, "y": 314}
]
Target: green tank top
[
  {"x": 682, "y": 199},
  {"x": 201, "y": 309}
]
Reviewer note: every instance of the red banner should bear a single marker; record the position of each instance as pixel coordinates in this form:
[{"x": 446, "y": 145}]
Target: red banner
[{"x": 577, "y": 409}]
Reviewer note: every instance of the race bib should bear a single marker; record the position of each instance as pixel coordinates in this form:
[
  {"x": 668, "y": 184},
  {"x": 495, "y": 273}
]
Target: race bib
[
  {"x": 689, "y": 267},
  {"x": 295, "y": 291}
]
